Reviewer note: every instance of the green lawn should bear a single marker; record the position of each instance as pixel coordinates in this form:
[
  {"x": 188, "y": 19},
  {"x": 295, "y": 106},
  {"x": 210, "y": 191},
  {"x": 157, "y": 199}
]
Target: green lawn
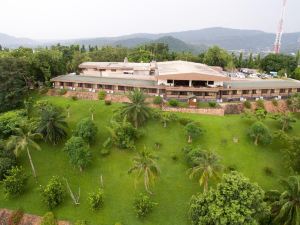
[{"x": 173, "y": 189}]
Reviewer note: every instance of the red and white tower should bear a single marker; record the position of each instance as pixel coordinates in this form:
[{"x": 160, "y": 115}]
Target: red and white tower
[{"x": 277, "y": 43}]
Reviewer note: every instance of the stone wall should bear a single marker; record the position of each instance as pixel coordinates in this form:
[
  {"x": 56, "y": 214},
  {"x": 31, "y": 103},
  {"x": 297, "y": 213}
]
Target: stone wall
[{"x": 204, "y": 111}]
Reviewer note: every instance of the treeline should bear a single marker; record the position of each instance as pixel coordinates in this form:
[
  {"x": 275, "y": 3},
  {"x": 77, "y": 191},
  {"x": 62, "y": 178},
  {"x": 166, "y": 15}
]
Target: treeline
[{"x": 25, "y": 68}]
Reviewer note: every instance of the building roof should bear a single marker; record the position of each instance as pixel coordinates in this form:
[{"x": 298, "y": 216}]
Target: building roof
[
  {"x": 268, "y": 84},
  {"x": 182, "y": 70},
  {"x": 104, "y": 80},
  {"x": 116, "y": 65}
]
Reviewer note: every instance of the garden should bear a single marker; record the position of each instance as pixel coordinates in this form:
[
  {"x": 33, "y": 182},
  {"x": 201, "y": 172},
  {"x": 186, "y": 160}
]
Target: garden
[{"x": 104, "y": 164}]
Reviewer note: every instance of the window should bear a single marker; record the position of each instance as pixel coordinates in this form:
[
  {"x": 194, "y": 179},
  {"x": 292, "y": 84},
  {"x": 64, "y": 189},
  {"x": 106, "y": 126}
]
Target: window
[
  {"x": 102, "y": 70},
  {"x": 109, "y": 87},
  {"x": 282, "y": 91},
  {"x": 80, "y": 85},
  {"x": 298, "y": 89},
  {"x": 290, "y": 90},
  {"x": 225, "y": 92},
  {"x": 113, "y": 70},
  {"x": 264, "y": 91},
  {"x": 170, "y": 81},
  {"x": 254, "y": 92},
  {"x": 88, "y": 85},
  {"x": 99, "y": 86},
  {"x": 121, "y": 88},
  {"x": 210, "y": 83},
  {"x": 272, "y": 91},
  {"x": 234, "y": 92},
  {"x": 245, "y": 92}
]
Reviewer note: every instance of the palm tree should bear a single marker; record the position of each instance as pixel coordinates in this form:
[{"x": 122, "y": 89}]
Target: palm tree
[
  {"x": 144, "y": 164},
  {"x": 287, "y": 208},
  {"x": 207, "y": 166},
  {"x": 137, "y": 110},
  {"x": 53, "y": 125},
  {"x": 92, "y": 111},
  {"x": 24, "y": 141}
]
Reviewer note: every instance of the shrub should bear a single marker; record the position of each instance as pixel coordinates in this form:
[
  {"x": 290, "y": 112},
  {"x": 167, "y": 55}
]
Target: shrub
[
  {"x": 16, "y": 217},
  {"x": 185, "y": 121},
  {"x": 158, "y": 100},
  {"x": 108, "y": 102},
  {"x": 96, "y": 200},
  {"x": 143, "y": 205},
  {"x": 247, "y": 104},
  {"x": 101, "y": 95},
  {"x": 174, "y": 157},
  {"x": 49, "y": 219},
  {"x": 43, "y": 90},
  {"x": 14, "y": 182},
  {"x": 231, "y": 168},
  {"x": 275, "y": 102},
  {"x": 260, "y": 104},
  {"x": 53, "y": 193},
  {"x": 268, "y": 171},
  {"x": 173, "y": 102},
  {"x": 5, "y": 165},
  {"x": 86, "y": 129},
  {"x": 212, "y": 104},
  {"x": 74, "y": 98},
  {"x": 62, "y": 91}
]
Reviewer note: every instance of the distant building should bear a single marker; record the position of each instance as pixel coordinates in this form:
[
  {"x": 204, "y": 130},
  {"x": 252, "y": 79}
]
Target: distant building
[{"x": 173, "y": 79}]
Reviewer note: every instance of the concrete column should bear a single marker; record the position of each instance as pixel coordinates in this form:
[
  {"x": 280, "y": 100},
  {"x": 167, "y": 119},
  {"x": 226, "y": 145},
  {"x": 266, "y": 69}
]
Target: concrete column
[{"x": 190, "y": 83}]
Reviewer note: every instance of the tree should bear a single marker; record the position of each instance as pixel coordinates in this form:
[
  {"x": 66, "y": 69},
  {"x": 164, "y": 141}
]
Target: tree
[
  {"x": 291, "y": 152},
  {"x": 144, "y": 164},
  {"x": 123, "y": 134},
  {"x": 24, "y": 140},
  {"x": 192, "y": 131},
  {"x": 14, "y": 182},
  {"x": 286, "y": 209},
  {"x": 137, "y": 111},
  {"x": 53, "y": 193},
  {"x": 53, "y": 125},
  {"x": 86, "y": 129},
  {"x": 166, "y": 117},
  {"x": 92, "y": 111},
  {"x": 78, "y": 152},
  {"x": 285, "y": 120},
  {"x": 13, "y": 85},
  {"x": 277, "y": 62},
  {"x": 207, "y": 166},
  {"x": 293, "y": 102},
  {"x": 259, "y": 133},
  {"x": 235, "y": 201},
  {"x": 216, "y": 56},
  {"x": 68, "y": 106}
]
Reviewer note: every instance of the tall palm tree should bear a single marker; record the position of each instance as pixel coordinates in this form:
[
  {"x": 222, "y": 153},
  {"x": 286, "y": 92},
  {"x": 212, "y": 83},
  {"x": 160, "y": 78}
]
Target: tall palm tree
[
  {"x": 24, "y": 141},
  {"x": 287, "y": 208},
  {"x": 53, "y": 125},
  {"x": 207, "y": 166},
  {"x": 137, "y": 111},
  {"x": 144, "y": 164}
]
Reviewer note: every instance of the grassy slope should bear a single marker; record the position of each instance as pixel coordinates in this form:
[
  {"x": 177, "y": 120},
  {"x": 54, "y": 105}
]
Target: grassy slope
[{"x": 173, "y": 188}]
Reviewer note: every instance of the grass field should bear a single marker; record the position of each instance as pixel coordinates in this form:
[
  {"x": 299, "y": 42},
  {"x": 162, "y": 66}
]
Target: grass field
[{"x": 172, "y": 190}]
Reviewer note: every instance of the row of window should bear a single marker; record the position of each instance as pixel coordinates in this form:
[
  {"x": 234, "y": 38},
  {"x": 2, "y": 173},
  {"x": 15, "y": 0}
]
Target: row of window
[{"x": 263, "y": 91}]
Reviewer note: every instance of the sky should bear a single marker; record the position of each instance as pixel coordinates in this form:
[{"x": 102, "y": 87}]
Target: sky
[{"x": 65, "y": 19}]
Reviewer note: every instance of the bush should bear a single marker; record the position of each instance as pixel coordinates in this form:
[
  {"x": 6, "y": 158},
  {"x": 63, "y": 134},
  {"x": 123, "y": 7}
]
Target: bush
[
  {"x": 275, "y": 102},
  {"x": 49, "y": 219},
  {"x": 5, "y": 165},
  {"x": 16, "y": 217},
  {"x": 62, "y": 91},
  {"x": 14, "y": 182},
  {"x": 174, "y": 157},
  {"x": 173, "y": 102},
  {"x": 260, "y": 104},
  {"x": 96, "y": 200},
  {"x": 212, "y": 104},
  {"x": 158, "y": 100},
  {"x": 108, "y": 102},
  {"x": 101, "y": 95},
  {"x": 86, "y": 129},
  {"x": 53, "y": 193},
  {"x": 185, "y": 121},
  {"x": 247, "y": 104},
  {"x": 74, "y": 98},
  {"x": 231, "y": 168},
  {"x": 43, "y": 90},
  {"x": 268, "y": 171},
  {"x": 143, "y": 205}
]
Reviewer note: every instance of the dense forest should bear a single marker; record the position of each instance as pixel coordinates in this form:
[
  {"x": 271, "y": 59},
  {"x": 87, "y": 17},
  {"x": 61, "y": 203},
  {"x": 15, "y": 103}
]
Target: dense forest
[{"x": 25, "y": 68}]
